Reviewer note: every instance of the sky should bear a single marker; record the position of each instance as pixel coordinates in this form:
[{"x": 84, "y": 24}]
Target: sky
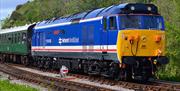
[{"x": 7, "y": 6}]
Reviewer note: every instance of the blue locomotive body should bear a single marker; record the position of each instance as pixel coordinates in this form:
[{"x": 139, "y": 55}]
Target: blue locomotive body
[
  {"x": 83, "y": 39},
  {"x": 90, "y": 35}
]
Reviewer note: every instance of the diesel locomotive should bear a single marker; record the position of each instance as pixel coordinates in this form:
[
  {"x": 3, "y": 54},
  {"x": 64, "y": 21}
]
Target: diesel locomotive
[{"x": 123, "y": 42}]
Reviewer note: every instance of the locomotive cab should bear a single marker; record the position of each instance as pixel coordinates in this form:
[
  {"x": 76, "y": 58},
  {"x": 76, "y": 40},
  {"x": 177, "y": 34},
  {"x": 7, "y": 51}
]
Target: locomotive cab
[{"x": 141, "y": 41}]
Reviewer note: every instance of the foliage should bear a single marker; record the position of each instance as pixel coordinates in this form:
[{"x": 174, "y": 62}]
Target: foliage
[
  {"x": 172, "y": 70},
  {"x": 170, "y": 9},
  {"x": 7, "y": 86},
  {"x": 39, "y": 10}
]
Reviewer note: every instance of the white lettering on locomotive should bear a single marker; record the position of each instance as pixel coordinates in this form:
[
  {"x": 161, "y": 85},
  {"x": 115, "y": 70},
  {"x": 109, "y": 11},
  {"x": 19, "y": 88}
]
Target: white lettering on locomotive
[{"x": 68, "y": 40}]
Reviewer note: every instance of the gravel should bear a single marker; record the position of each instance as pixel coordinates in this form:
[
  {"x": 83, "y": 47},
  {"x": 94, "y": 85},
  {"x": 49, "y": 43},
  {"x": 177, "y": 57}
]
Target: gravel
[{"x": 71, "y": 78}]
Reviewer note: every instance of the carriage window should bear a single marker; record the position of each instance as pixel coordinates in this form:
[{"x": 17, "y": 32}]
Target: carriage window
[
  {"x": 112, "y": 23},
  {"x": 4, "y": 38},
  {"x": 14, "y": 38},
  {"x": 24, "y": 36},
  {"x": 18, "y": 37},
  {"x": 0, "y": 39},
  {"x": 9, "y": 39}
]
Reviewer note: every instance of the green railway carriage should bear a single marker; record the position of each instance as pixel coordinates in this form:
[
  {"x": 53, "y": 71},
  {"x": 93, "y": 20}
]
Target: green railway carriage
[{"x": 15, "y": 44}]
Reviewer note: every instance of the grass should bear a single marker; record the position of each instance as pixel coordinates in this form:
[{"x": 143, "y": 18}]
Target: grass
[{"x": 5, "y": 85}]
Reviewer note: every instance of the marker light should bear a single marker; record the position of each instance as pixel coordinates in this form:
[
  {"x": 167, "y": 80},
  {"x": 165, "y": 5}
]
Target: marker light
[
  {"x": 149, "y": 8},
  {"x": 132, "y": 8},
  {"x": 157, "y": 38},
  {"x": 131, "y": 39}
]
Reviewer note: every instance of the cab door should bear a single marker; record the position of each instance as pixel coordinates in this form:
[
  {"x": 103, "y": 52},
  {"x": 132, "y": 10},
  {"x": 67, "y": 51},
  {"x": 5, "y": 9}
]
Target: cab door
[
  {"x": 113, "y": 27},
  {"x": 109, "y": 33},
  {"x": 104, "y": 36}
]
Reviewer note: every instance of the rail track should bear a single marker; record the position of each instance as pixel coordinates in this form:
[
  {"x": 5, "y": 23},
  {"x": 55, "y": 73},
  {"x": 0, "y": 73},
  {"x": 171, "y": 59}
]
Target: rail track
[
  {"x": 76, "y": 82},
  {"x": 57, "y": 83}
]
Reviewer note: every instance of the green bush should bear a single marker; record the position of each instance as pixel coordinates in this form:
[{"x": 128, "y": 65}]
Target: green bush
[{"x": 172, "y": 70}]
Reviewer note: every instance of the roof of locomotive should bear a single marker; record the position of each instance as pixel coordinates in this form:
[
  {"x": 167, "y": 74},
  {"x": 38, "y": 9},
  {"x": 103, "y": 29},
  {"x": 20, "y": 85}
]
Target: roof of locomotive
[{"x": 127, "y": 8}]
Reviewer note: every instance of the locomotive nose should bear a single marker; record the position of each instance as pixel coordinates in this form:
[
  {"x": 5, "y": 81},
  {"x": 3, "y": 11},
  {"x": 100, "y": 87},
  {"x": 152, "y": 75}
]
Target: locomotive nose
[
  {"x": 140, "y": 51},
  {"x": 141, "y": 43}
]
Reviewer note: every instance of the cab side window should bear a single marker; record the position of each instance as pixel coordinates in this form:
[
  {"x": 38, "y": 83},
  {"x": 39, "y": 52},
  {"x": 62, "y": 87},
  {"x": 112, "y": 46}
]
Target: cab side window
[{"x": 112, "y": 23}]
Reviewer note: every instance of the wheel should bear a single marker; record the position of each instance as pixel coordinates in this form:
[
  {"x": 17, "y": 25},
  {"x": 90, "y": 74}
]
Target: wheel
[
  {"x": 26, "y": 61},
  {"x": 124, "y": 74}
]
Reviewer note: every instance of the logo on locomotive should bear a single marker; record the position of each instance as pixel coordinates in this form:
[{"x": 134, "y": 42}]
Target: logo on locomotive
[{"x": 68, "y": 40}]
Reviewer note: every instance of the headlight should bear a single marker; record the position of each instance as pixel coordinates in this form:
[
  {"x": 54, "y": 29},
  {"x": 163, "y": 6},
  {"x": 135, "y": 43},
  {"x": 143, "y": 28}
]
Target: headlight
[
  {"x": 132, "y": 8},
  {"x": 149, "y": 8}
]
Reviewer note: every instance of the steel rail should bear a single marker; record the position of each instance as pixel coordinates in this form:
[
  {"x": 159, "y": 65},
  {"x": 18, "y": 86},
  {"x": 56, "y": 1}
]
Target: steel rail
[{"x": 64, "y": 84}]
